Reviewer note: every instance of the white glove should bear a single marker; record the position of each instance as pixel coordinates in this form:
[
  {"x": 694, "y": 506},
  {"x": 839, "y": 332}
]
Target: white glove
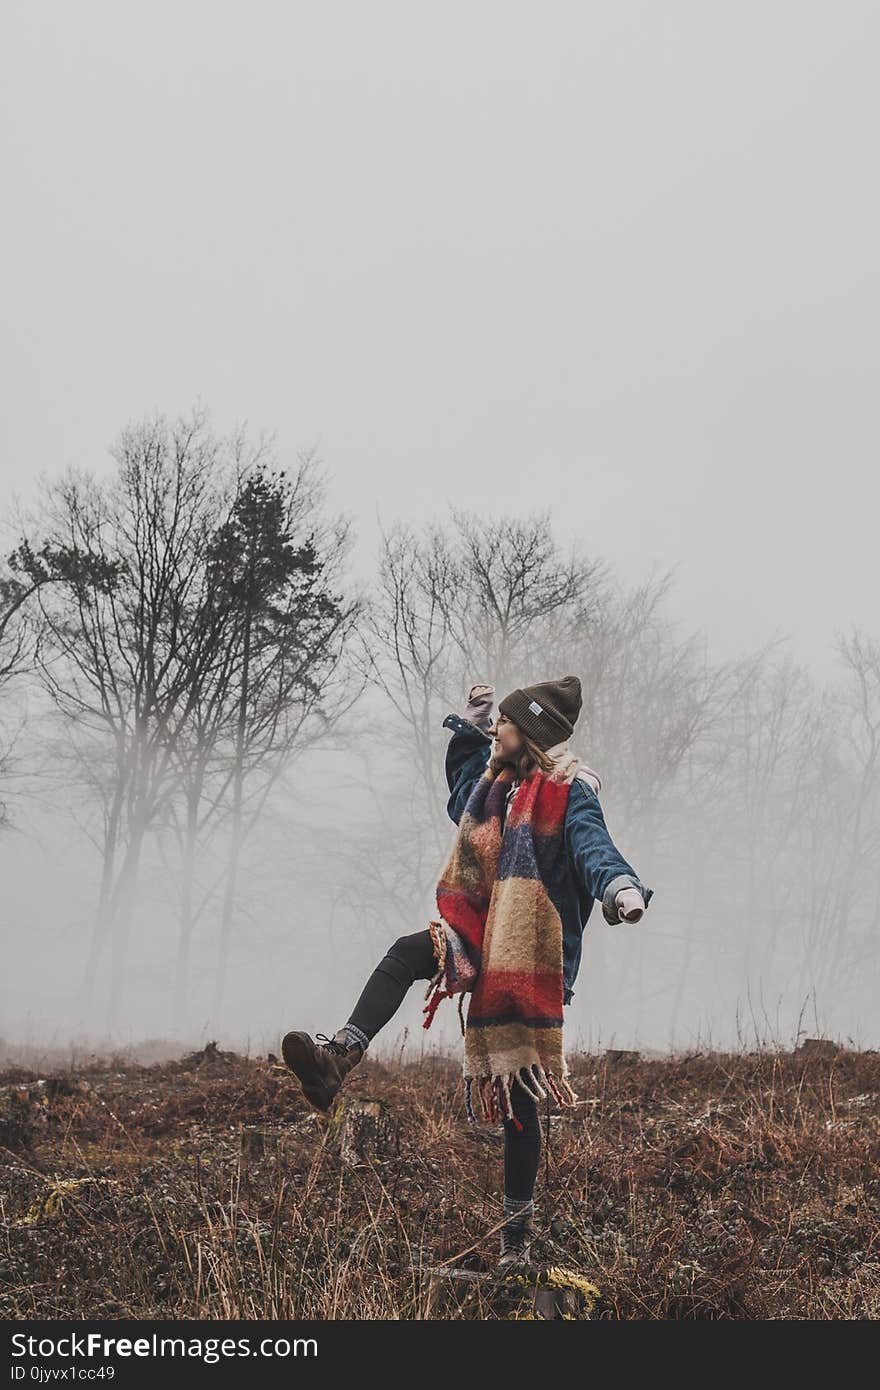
[
  {"x": 478, "y": 709},
  {"x": 630, "y": 904}
]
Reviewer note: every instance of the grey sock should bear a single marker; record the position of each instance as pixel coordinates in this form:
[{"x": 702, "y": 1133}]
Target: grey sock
[
  {"x": 355, "y": 1035},
  {"x": 519, "y": 1210}
]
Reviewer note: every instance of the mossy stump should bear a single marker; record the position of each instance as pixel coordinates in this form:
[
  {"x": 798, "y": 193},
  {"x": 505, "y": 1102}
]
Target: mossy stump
[
  {"x": 87, "y": 1198},
  {"x": 526, "y": 1292}
]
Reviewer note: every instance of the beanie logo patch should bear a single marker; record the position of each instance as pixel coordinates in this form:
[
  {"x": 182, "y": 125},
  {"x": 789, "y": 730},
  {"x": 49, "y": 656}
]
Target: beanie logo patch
[{"x": 536, "y": 708}]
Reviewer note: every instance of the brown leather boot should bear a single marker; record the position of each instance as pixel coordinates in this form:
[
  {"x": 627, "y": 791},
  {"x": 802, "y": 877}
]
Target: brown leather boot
[{"x": 321, "y": 1066}]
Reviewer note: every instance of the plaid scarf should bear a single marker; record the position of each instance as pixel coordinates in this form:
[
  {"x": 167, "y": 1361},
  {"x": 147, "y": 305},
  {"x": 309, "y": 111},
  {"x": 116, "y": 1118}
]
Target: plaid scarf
[{"x": 500, "y": 937}]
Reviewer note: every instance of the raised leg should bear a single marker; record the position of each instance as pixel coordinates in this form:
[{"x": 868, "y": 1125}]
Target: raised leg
[{"x": 408, "y": 959}]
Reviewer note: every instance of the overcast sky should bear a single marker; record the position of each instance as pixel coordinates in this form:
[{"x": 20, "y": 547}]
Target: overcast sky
[{"x": 617, "y": 259}]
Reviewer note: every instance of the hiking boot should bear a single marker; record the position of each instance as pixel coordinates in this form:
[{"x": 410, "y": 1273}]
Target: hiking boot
[
  {"x": 321, "y": 1066},
  {"x": 516, "y": 1239}
]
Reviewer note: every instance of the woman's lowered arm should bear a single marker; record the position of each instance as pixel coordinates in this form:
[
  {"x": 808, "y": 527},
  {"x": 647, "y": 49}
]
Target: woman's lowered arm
[{"x": 607, "y": 876}]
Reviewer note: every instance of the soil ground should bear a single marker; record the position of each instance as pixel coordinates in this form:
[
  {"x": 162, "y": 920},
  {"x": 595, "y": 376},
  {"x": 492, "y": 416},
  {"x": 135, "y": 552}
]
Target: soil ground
[{"x": 701, "y": 1186}]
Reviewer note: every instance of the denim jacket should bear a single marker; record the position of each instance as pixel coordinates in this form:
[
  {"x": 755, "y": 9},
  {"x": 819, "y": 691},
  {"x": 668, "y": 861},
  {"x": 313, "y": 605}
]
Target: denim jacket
[{"x": 596, "y": 870}]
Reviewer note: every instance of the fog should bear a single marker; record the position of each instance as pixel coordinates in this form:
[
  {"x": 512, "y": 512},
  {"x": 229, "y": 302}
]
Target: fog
[{"x": 610, "y": 265}]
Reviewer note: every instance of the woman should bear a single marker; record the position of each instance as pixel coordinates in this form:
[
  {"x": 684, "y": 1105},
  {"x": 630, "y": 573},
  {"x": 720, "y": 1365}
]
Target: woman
[{"x": 531, "y": 857}]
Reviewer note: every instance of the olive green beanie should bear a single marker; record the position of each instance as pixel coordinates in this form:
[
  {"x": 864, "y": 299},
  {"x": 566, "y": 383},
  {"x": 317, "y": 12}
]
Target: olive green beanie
[{"x": 546, "y": 713}]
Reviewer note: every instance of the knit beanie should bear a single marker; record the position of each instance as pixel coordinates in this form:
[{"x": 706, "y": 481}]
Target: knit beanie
[{"x": 546, "y": 713}]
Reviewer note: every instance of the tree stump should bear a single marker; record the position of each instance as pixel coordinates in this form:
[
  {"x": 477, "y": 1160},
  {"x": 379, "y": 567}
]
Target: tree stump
[
  {"x": 621, "y": 1057},
  {"x": 364, "y": 1130},
  {"x": 262, "y": 1141},
  {"x": 520, "y": 1293},
  {"x": 210, "y": 1058},
  {"x": 22, "y": 1114},
  {"x": 819, "y": 1047}
]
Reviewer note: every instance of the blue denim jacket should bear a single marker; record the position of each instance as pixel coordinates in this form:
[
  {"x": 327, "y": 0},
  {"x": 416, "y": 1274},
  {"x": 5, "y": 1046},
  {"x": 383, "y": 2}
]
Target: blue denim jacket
[{"x": 596, "y": 868}]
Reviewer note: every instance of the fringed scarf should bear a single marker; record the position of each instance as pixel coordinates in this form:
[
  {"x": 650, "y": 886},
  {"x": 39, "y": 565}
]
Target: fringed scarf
[{"x": 500, "y": 937}]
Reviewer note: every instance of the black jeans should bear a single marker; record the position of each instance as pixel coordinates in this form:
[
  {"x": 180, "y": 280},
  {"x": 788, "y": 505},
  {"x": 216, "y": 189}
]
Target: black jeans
[{"x": 411, "y": 958}]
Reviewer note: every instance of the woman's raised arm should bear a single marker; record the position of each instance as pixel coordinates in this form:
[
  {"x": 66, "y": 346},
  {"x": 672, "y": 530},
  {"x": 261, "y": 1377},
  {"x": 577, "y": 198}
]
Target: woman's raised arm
[{"x": 470, "y": 747}]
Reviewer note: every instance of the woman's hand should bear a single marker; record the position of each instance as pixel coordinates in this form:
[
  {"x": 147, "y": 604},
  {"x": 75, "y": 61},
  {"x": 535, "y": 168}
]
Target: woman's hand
[
  {"x": 478, "y": 709},
  {"x": 630, "y": 904}
]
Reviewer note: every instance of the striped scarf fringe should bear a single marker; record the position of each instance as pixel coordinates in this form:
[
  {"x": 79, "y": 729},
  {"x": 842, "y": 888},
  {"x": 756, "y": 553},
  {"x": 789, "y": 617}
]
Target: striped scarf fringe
[{"x": 494, "y": 1091}]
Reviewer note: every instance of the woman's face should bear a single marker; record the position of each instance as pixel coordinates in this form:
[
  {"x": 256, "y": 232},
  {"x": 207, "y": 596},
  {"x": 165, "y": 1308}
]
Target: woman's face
[{"x": 508, "y": 740}]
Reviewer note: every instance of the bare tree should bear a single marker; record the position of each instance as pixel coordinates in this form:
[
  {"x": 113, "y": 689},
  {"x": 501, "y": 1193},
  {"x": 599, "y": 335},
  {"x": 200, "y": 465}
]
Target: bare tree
[
  {"x": 518, "y": 592},
  {"x": 17, "y": 652},
  {"x": 191, "y": 640},
  {"x": 841, "y": 931},
  {"x": 123, "y": 559}
]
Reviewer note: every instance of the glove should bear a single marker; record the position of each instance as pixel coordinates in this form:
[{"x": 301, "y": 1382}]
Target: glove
[
  {"x": 630, "y": 904},
  {"x": 478, "y": 709}
]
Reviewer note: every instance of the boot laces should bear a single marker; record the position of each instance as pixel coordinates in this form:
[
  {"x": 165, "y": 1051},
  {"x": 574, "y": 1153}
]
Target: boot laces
[
  {"x": 515, "y": 1238},
  {"x": 331, "y": 1044}
]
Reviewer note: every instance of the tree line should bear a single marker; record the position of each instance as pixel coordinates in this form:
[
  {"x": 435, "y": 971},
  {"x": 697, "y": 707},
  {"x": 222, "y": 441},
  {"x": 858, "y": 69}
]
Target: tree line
[{"x": 188, "y": 630}]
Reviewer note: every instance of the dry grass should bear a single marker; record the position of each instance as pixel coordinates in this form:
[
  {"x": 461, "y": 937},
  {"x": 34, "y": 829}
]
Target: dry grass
[{"x": 702, "y": 1186}]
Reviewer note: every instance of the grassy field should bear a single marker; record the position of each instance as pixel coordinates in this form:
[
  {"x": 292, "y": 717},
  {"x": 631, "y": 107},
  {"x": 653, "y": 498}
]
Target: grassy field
[{"x": 699, "y": 1186}]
